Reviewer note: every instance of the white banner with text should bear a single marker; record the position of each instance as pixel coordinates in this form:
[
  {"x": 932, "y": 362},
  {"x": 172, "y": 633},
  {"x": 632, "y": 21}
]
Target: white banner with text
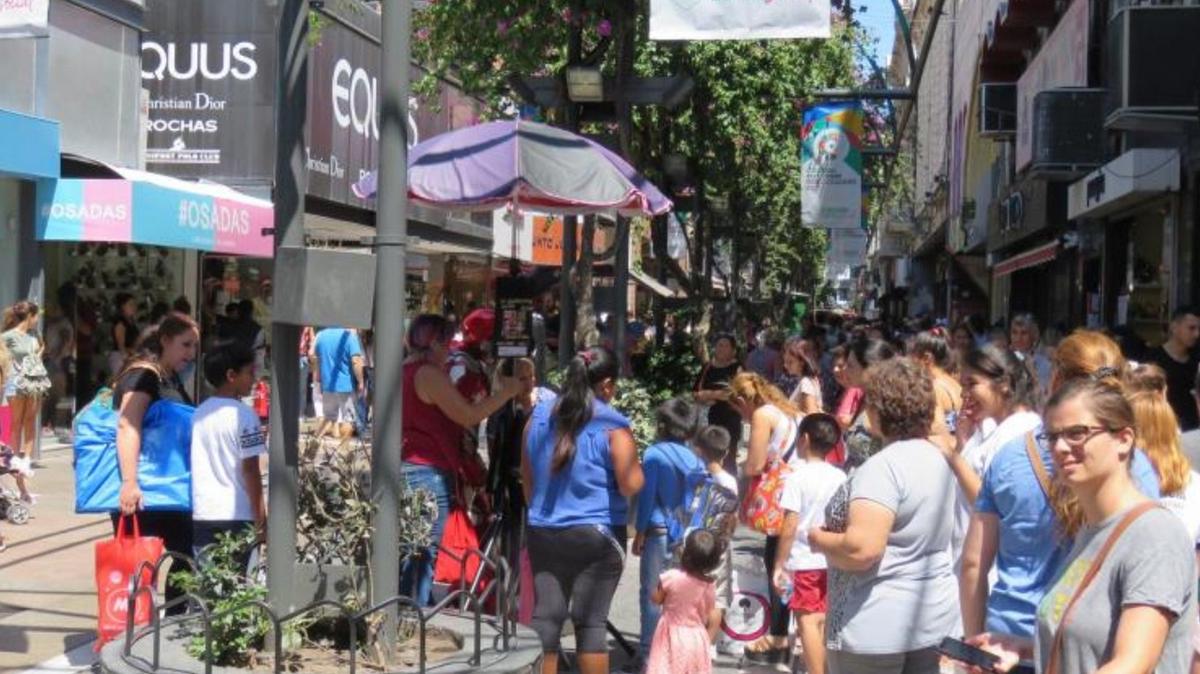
[
  {"x": 739, "y": 19},
  {"x": 24, "y": 18}
]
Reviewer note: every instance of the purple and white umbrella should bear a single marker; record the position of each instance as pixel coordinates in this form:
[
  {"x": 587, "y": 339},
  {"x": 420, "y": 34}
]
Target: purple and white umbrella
[{"x": 528, "y": 165}]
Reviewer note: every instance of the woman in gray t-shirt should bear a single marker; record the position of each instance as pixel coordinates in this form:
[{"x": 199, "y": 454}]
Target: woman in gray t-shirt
[
  {"x": 893, "y": 597},
  {"x": 1137, "y": 610}
]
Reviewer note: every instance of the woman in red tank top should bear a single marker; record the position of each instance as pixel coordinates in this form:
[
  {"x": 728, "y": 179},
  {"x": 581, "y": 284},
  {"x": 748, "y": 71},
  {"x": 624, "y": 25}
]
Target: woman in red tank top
[{"x": 434, "y": 417}]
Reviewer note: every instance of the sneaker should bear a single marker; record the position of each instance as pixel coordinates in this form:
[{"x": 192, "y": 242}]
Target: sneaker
[{"x": 30, "y": 498}]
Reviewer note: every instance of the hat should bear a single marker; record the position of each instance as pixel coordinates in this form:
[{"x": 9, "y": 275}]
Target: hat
[{"x": 479, "y": 326}]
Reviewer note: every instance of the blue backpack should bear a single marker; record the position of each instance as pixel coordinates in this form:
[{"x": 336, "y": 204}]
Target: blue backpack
[
  {"x": 705, "y": 505},
  {"x": 164, "y": 469}
]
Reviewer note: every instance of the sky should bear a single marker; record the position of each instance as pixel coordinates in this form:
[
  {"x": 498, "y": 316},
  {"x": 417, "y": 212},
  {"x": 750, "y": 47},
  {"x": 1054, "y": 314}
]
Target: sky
[{"x": 880, "y": 22}]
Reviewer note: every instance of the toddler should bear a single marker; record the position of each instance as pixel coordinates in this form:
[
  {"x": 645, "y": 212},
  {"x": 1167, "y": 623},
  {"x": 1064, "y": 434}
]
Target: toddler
[{"x": 687, "y": 597}]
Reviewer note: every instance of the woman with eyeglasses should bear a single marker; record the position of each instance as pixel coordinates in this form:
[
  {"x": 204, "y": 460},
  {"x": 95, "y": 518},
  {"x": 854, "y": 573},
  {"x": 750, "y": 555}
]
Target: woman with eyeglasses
[
  {"x": 1126, "y": 601},
  {"x": 1021, "y": 525}
]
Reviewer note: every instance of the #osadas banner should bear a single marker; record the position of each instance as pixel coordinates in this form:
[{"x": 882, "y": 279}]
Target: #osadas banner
[
  {"x": 831, "y": 166},
  {"x": 738, "y": 19}
]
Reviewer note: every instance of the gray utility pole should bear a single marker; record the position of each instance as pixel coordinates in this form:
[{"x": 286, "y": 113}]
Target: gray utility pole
[
  {"x": 391, "y": 235},
  {"x": 290, "y": 185}
]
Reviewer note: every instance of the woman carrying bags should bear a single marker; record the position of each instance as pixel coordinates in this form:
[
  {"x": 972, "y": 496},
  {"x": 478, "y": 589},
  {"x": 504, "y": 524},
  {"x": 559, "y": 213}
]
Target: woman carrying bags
[
  {"x": 435, "y": 416},
  {"x": 774, "y": 422},
  {"x": 167, "y": 350},
  {"x": 1127, "y": 598}
]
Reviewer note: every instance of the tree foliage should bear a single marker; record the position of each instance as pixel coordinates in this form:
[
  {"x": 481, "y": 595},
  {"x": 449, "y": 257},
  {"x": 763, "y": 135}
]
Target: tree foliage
[{"x": 739, "y": 131}]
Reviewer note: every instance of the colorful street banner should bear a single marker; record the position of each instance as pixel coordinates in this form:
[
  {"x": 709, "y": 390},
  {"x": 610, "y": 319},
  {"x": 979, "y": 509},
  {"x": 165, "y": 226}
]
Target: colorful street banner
[
  {"x": 739, "y": 19},
  {"x": 24, "y": 18},
  {"x": 831, "y": 166},
  {"x": 154, "y": 211}
]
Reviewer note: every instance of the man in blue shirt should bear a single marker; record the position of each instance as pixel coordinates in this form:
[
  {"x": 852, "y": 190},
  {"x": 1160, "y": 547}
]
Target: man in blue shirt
[
  {"x": 338, "y": 369},
  {"x": 666, "y": 465}
]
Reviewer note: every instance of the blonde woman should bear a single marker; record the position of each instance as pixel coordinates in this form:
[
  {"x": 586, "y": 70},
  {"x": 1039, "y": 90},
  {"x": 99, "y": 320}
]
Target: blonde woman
[
  {"x": 1158, "y": 436},
  {"x": 774, "y": 420}
]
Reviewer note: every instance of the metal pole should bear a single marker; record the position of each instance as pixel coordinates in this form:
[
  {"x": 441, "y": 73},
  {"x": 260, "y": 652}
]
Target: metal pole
[
  {"x": 391, "y": 225},
  {"x": 566, "y": 310},
  {"x": 290, "y": 185},
  {"x": 621, "y": 285}
]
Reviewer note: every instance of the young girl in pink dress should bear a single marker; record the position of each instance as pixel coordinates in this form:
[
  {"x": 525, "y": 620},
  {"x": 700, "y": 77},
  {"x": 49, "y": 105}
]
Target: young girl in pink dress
[{"x": 687, "y": 595}]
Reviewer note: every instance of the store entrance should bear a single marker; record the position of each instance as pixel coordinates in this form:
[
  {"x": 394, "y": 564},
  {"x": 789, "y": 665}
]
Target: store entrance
[{"x": 85, "y": 285}]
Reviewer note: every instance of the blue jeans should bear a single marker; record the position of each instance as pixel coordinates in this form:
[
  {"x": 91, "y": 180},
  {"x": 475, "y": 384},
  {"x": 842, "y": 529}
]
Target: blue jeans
[
  {"x": 654, "y": 562},
  {"x": 416, "y": 569}
]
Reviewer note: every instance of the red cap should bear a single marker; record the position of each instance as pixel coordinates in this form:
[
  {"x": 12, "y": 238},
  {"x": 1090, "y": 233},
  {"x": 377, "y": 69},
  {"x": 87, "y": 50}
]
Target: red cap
[{"x": 479, "y": 326}]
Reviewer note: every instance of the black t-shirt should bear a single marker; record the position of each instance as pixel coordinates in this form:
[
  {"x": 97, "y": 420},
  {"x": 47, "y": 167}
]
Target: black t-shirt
[
  {"x": 146, "y": 380},
  {"x": 1181, "y": 379},
  {"x": 714, "y": 378}
]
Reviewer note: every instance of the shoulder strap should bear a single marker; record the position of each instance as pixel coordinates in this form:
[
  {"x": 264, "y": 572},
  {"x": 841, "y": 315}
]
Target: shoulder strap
[
  {"x": 1035, "y": 458},
  {"x": 1093, "y": 570}
]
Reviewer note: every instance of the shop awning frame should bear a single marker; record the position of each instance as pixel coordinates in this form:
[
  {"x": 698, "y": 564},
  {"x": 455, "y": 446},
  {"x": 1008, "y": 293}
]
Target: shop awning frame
[
  {"x": 652, "y": 285},
  {"x": 147, "y": 208},
  {"x": 1030, "y": 258}
]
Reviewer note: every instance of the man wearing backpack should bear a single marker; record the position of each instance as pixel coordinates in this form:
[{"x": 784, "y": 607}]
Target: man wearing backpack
[{"x": 672, "y": 472}]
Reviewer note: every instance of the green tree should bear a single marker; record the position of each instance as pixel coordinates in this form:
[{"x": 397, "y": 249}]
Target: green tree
[{"x": 739, "y": 132}]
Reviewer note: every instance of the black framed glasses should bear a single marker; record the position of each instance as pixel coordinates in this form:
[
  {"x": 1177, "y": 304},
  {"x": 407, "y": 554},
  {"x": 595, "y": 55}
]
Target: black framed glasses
[{"x": 1075, "y": 436}]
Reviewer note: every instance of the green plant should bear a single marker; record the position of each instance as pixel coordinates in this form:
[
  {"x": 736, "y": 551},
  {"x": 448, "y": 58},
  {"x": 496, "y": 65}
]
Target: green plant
[{"x": 238, "y": 627}]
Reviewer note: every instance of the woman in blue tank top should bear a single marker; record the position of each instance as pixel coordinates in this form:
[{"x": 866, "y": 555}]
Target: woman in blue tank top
[{"x": 579, "y": 469}]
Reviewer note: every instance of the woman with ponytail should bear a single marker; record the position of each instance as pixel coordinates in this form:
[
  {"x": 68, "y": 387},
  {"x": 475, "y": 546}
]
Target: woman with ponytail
[
  {"x": 579, "y": 467},
  {"x": 435, "y": 416}
]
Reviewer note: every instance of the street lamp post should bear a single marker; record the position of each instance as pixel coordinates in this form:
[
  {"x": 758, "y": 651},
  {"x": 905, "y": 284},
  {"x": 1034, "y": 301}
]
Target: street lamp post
[{"x": 391, "y": 225}]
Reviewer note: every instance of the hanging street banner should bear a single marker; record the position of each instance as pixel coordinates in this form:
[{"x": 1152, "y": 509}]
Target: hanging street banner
[
  {"x": 831, "y": 164},
  {"x": 739, "y": 19}
]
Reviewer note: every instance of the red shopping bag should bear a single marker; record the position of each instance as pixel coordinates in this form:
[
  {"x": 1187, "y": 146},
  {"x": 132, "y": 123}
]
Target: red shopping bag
[
  {"x": 117, "y": 560},
  {"x": 458, "y": 537}
]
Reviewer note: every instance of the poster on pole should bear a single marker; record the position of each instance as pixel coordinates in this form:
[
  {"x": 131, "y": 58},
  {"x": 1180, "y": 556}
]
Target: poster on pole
[
  {"x": 743, "y": 20},
  {"x": 831, "y": 166},
  {"x": 24, "y": 18}
]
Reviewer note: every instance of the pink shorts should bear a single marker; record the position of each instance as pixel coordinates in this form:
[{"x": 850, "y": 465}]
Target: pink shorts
[{"x": 809, "y": 589}]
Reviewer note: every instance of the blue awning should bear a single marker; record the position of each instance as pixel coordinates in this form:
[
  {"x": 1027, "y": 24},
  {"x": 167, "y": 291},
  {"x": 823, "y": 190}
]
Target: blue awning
[{"x": 30, "y": 145}]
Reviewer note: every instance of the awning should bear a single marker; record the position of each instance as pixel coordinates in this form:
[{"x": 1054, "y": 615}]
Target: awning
[
  {"x": 652, "y": 285},
  {"x": 148, "y": 208},
  {"x": 30, "y": 146},
  {"x": 1135, "y": 176},
  {"x": 1030, "y": 258}
]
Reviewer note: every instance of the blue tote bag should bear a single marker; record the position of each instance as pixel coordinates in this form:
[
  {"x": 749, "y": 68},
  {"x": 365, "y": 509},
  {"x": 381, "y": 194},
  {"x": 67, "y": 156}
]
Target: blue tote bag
[{"x": 164, "y": 469}]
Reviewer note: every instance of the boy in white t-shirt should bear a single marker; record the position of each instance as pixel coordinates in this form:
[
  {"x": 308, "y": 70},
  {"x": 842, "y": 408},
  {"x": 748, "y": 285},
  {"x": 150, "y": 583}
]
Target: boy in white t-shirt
[
  {"x": 227, "y": 441},
  {"x": 711, "y": 444},
  {"x": 807, "y": 490}
]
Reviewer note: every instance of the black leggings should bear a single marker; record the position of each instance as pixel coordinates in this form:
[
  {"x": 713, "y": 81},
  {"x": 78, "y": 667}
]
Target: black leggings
[
  {"x": 579, "y": 566},
  {"x": 779, "y": 612},
  {"x": 175, "y": 528}
]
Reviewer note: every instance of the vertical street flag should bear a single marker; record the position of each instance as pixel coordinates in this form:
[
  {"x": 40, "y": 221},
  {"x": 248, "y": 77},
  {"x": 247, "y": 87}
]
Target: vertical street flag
[
  {"x": 831, "y": 166},
  {"x": 738, "y": 20}
]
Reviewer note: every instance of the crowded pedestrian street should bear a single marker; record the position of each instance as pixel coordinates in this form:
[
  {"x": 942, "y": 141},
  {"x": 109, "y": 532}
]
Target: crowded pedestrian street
[{"x": 599, "y": 336}]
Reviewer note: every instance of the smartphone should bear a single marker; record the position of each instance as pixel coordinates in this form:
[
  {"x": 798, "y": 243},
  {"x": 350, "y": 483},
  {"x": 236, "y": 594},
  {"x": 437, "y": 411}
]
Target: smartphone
[{"x": 959, "y": 650}]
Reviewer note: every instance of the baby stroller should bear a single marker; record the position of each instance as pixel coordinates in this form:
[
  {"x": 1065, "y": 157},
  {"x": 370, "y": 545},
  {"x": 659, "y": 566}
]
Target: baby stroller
[{"x": 12, "y": 508}]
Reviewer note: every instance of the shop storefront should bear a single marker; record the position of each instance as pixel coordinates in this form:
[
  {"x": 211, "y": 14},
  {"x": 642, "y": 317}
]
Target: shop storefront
[
  {"x": 138, "y": 236},
  {"x": 1032, "y": 272},
  {"x": 1134, "y": 206}
]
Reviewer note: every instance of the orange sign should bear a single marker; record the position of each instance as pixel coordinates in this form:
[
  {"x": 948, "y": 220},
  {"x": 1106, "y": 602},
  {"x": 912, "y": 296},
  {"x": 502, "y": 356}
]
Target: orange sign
[{"x": 548, "y": 240}]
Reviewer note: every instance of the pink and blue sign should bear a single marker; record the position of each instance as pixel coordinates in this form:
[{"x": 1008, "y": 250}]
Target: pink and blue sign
[{"x": 155, "y": 210}]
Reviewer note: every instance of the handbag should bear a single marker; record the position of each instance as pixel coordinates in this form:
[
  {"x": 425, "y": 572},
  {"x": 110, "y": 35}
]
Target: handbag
[
  {"x": 164, "y": 466},
  {"x": 1093, "y": 570},
  {"x": 117, "y": 559},
  {"x": 760, "y": 509},
  {"x": 459, "y": 537}
]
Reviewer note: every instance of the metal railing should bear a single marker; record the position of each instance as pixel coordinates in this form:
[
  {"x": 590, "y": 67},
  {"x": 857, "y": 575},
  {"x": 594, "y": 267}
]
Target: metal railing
[{"x": 470, "y": 601}]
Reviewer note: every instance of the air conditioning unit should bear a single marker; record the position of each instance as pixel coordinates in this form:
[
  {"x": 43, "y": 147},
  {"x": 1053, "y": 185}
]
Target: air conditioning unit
[
  {"x": 1152, "y": 67},
  {"x": 1068, "y": 132},
  {"x": 997, "y": 109}
]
